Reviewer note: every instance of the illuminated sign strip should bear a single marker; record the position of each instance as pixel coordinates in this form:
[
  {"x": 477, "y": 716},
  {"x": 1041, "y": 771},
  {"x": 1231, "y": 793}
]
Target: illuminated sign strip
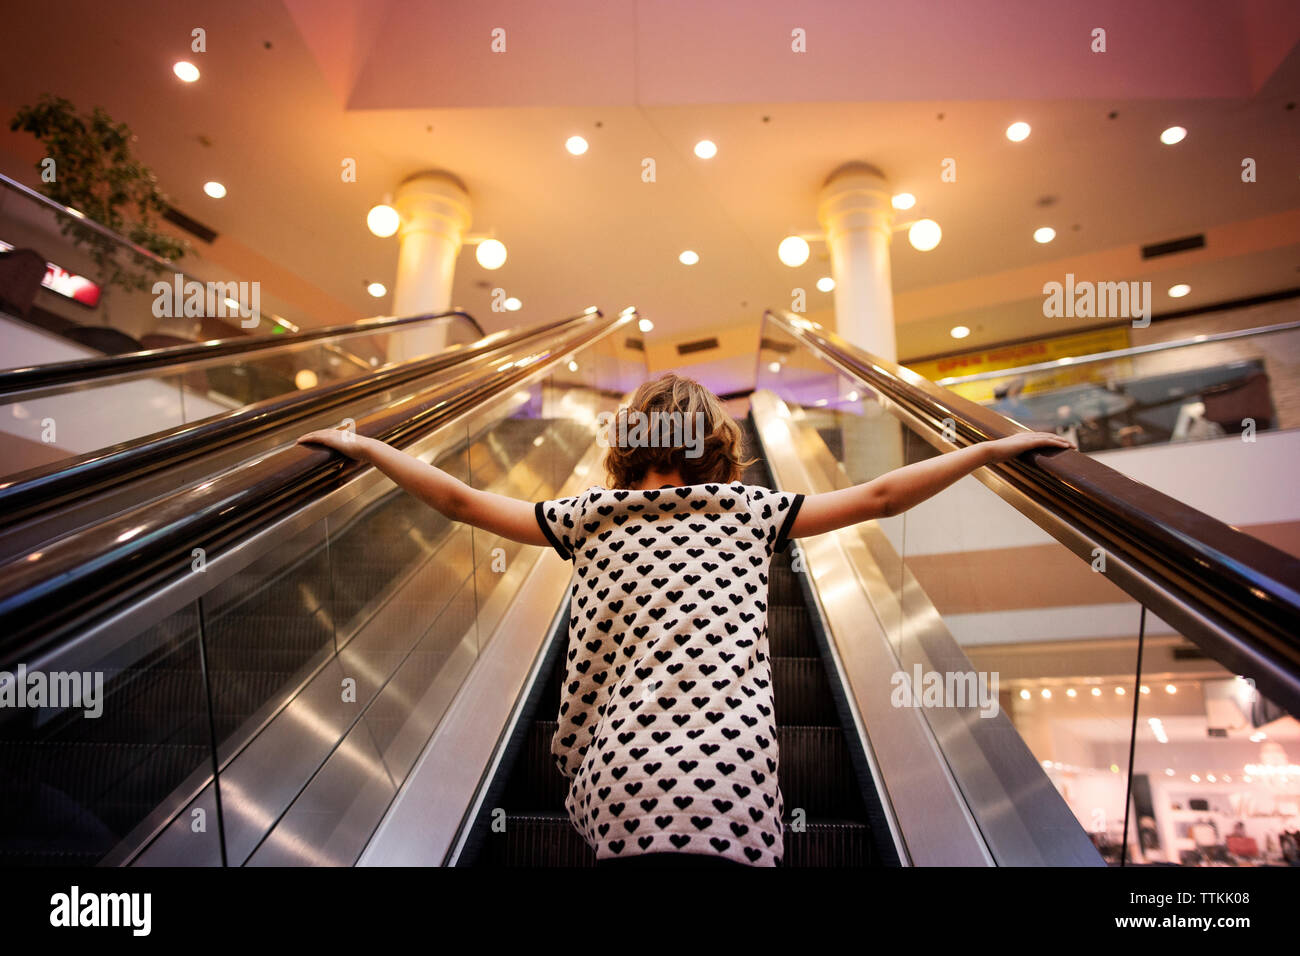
[{"x": 65, "y": 283}]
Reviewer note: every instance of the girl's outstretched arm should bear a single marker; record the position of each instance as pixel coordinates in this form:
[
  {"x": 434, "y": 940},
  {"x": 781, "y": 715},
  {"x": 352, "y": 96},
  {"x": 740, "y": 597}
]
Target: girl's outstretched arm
[
  {"x": 903, "y": 488},
  {"x": 497, "y": 514}
]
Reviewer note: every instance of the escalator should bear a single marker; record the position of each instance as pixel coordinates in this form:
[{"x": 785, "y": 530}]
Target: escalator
[{"x": 303, "y": 666}]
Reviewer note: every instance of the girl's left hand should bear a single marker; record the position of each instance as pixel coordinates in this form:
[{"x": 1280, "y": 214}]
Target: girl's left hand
[{"x": 1013, "y": 445}]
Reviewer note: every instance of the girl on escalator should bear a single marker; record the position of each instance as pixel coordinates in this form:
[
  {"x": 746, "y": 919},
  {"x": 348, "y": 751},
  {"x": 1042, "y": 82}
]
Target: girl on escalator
[{"x": 667, "y": 729}]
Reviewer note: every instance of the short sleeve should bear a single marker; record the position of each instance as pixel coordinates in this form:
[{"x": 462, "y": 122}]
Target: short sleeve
[
  {"x": 559, "y": 520},
  {"x": 775, "y": 512}
]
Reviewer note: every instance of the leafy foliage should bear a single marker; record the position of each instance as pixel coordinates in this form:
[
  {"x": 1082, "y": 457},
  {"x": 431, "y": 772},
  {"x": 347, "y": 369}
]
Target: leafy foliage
[{"x": 96, "y": 173}]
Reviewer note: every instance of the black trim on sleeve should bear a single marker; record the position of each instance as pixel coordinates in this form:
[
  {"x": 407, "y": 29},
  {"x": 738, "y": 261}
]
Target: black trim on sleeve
[
  {"x": 550, "y": 535},
  {"x": 783, "y": 535}
]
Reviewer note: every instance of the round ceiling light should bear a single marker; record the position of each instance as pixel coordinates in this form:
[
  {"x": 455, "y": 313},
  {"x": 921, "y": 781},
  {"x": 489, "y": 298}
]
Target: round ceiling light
[
  {"x": 383, "y": 220},
  {"x": 1018, "y": 132},
  {"x": 924, "y": 235},
  {"x": 793, "y": 251},
  {"x": 491, "y": 254}
]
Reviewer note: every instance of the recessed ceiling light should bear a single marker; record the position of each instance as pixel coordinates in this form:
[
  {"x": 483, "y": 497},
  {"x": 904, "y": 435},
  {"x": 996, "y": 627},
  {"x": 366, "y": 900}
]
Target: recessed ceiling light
[
  {"x": 688, "y": 258},
  {"x": 793, "y": 251},
  {"x": 1025, "y": 695},
  {"x": 1174, "y": 134},
  {"x": 774, "y": 367},
  {"x": 1018, "y": 132},
  {"x": 825, "y": 284},
  {"x": 377, "y": 289},
  {"x": 959, "y": 331},
  {"x": 491, "y": 254},
  {"x": 645, "y": 325},
  {"x": 1179, "y": 290},
  {"x": 903, "y": 201},
  {"x": 305, "y": 378},
  {"x": 576, "y": 145},
  {"x": 573, "y": 366},
  {"x": 383, "y": 220},
  {"x": 1171, "y": 689},
  {"x": 186, "y": 71},
  {"x": 215, "y": 189},
  {"x": 924, "y": 235},
  {"x": 705, "y": 149},
  {"x": 1096, "y": 692},
  {"x": 1044, "y": 234},
  {"x": 513, "y": 304}
]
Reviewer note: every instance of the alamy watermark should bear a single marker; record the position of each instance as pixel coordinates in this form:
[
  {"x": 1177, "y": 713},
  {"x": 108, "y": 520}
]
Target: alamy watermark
[
  {"x": 635, "y": 429},
  {"x": 63, "y": 690},
  {"x": 1098, "y": 300},
  {"x": 75, "y": 908},
  {"x": 948, "y": 689},
  {"x": 191, "y": 299}
]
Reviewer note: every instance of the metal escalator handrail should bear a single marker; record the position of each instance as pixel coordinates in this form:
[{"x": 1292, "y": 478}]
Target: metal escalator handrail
[
  {"x": 1248, "y": 589},
  {"x": 40, "y": 490},
  {"x": 26, "y": 379},
  {"x": 46, "y": 595}
]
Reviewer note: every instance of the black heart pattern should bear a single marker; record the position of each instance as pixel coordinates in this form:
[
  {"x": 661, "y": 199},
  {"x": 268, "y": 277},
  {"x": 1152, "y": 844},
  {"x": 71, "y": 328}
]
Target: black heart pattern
[{"x": 666, "y": 725}]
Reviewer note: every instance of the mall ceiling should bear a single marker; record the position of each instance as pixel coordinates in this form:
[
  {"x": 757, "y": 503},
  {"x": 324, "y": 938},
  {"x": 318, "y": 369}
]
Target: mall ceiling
[{"x": 291, "y": 89}]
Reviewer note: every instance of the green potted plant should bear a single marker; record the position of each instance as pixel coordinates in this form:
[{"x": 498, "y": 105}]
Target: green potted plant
[{"x": 90, "y": 167}]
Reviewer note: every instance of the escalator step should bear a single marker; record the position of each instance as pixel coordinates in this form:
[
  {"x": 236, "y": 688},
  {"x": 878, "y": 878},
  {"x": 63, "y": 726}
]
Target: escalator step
[
  {"x": 829, "y": 844},
  {"x": 546, "y": 840},
  {"x": 801, "y": 692},
  {"x": 783, "y": 589},
  {"x": 789, "y": 632}
]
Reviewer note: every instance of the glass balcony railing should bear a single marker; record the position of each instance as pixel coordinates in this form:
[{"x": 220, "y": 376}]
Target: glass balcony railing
[{"x": 1205, "y": 386}]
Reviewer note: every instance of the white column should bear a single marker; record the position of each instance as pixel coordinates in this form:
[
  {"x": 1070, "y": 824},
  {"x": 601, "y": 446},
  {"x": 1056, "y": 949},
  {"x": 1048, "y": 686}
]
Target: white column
[
  {"x": 435, "y": 211},
  {"x": 856, "y": 215}
]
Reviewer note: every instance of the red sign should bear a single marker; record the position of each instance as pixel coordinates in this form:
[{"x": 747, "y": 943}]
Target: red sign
[{"x": 65, "y": 283}]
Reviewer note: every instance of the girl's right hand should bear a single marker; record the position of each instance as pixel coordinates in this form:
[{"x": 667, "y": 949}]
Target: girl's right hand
[{"x": 341, "y": 440}]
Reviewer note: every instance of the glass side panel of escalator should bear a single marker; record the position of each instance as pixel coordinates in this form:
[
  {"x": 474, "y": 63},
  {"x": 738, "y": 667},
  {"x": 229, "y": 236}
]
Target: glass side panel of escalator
[{"x": 53, "y": 425}]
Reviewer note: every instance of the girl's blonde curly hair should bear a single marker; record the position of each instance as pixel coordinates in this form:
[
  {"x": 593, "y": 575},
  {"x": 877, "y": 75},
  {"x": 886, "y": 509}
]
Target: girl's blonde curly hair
[{"x": 719, "y": 439}]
